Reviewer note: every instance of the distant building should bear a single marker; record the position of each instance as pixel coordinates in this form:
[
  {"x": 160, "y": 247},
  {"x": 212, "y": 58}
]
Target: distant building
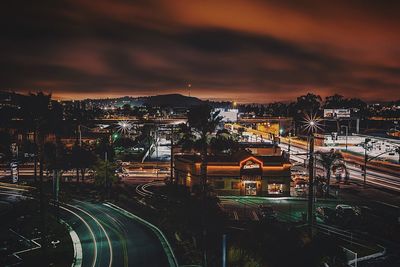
[
  {"x": 244, "y": 173},
  {"x": 228, "y": 115}
]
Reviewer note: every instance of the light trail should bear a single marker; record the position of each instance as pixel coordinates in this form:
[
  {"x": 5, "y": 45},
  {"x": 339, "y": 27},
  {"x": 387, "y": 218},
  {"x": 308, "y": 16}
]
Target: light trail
[
  {"x": 102, "y": 228},
  {"x": 90, "y": 230},
  {"x": 373, "y": 177}
]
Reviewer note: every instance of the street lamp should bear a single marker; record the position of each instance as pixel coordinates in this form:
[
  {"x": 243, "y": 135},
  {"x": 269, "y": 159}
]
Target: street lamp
[
  {"x": 124, "y": 127},
  {"x": 311, "y": 125},
  {"x": 311, "y": 184},
  {"x": 366, "y": 147}
]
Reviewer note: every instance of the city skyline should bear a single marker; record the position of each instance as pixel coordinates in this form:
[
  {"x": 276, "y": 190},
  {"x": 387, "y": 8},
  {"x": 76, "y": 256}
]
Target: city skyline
[{"x": 253, "y": 51}]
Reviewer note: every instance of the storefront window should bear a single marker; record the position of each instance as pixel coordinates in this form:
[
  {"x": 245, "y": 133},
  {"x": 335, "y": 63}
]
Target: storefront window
[
  {"x": 235, "y": 185},
  {"x": 275, "y": 188}
]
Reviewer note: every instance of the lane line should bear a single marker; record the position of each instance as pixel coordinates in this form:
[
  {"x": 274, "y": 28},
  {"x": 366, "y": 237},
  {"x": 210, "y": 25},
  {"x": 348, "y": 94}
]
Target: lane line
[
  {"x": 90, "y": 230},
  {"x": 387, "y": 204},
  {"x": 162, "y": 238},
  {"x": 102, "y": 228}
]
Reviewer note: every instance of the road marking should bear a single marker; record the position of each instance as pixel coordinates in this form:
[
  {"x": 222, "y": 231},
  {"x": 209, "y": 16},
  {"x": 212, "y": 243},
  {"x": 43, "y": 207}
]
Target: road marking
[
  {"x": 387, "y": 204},
  {"x": 76, "y": 242},
  {"x": 90, "y": 230},
  {"x": 15, "y": 254},
  {"x": 102, "y": 228},
  {"x": 164, "y": 241}
]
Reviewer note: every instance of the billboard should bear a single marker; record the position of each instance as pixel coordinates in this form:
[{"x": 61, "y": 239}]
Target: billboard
[{"x": 336, "y": 113}]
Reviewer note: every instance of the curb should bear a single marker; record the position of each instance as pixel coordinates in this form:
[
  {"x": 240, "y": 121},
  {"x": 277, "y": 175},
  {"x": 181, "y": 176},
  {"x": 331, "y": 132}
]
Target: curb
[
  {"x": 77, "y": 262},
  {"x": 369, "y": 257},
  {"x": 164, "y": 242}
]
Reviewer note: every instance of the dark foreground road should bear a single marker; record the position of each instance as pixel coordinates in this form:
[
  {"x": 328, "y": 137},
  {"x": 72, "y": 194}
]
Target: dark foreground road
[
  {"x": 112, "y": 237},
  {"x": 105, "y": 235}
]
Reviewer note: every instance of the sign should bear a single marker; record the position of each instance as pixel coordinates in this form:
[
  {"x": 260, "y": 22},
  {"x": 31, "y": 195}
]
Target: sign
[
  {"x": 336, "y": 113},
  {"x": 14, "y": 172},
  {"x": 251, "y": 165}
]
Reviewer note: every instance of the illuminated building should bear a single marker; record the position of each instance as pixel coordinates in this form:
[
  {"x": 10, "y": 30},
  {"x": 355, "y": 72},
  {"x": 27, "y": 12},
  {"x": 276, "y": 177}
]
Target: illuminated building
[{"x": 242, "y": 173}]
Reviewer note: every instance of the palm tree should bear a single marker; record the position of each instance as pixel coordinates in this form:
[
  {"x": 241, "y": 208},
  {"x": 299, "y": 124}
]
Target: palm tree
[
  {"x": 224, "y": 142},
  {"x": 329, "y": 160},
  {"x": 202, "y": 122}
]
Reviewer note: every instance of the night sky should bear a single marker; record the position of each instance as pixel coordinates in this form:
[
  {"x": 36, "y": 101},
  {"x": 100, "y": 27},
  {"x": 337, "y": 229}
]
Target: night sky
[{"x": 242, "y": 50}]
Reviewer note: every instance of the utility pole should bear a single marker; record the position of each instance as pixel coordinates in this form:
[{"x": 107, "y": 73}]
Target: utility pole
[
  {"x": 80, "y": 135},
  {"x": 347, "y": 133},
  {"x": 106, "y": 173},
  {"x": 172, "y": 155},
  {"x": 365, "y": 166},
  {"x": 311, "y": 184},
  {"x": 365, "y": 160}
]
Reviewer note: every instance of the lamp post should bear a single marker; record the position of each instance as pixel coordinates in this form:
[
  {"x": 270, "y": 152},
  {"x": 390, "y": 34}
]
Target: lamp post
[
  {"x": 312, "y": 126},
  {"x": 347, "y": 133},
  {"x": 367, "y": 140},
  {"x": 311, "y": 184}
]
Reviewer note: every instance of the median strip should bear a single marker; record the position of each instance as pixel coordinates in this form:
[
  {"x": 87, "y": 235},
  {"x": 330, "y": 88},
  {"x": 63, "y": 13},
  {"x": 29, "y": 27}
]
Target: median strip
[{"x": 76, "y": 242}]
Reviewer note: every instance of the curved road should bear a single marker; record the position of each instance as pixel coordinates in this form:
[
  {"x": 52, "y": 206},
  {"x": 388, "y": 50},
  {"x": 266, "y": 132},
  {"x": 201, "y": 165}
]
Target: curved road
[{"x": 106, "y": 235}]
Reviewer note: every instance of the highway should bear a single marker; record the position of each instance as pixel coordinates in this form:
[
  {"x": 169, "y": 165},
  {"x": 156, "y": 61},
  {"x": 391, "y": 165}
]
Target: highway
[
  {"x": 105, "y": 235},
  {"x": 374, "y": 178}
]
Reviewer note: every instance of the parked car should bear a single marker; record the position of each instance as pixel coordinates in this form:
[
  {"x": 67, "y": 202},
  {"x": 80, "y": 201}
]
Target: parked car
[
  {"x": 267, "y": 213},
  {"x": 326, "y": 214},
  {"x": 346, "y": 214}
]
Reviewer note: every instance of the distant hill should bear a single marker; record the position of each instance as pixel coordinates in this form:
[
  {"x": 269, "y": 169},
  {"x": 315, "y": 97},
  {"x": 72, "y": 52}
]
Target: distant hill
[{"x": 172, "y": 100}]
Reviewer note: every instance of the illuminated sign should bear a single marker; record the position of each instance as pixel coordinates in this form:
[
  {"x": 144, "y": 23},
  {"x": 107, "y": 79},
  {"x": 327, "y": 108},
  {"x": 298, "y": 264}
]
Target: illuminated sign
[
  {"x": 14, "y": 172},
  {"x": 251, "y": 165},
  {"x": 336, "y": 113}
]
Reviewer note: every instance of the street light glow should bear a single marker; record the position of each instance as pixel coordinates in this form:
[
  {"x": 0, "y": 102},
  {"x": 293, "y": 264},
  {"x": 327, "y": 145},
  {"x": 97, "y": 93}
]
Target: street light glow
[
  {"x": 124, "y": 127},
  {"x": 311, "y": 123}
]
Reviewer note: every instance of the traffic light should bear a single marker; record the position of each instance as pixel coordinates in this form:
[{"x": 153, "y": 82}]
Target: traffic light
[{"x": 115, "y": 136}]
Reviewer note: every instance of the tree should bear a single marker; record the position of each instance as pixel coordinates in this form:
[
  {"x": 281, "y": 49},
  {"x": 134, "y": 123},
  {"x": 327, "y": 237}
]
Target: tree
[
  {"x": 77, "y": 115},
  {"x": 103, "y": 146},
  {"x": 309, "y": 103},
  {"x": 44, "y": 117},
  {"x": 126, "y": 109},
  {"x": 224, "y": 143},
  {"x": 186, "y": 138},
  {"x": 35, "y": 113},
  {"x": 329, "y": 160},
  {"x": 203, "y": 122},
  {"x": 306, "y": 104},
  {"x": 104, "y": 173},
  {"x": 335, "y": 101},
  {"x": 55, "y": 156},
  {"x": 5, "y": 146},
  {"x": 82, "y": 158}
]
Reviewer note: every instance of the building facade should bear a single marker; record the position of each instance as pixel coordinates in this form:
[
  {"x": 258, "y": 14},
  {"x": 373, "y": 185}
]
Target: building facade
[{"x": 241, "y": 174}]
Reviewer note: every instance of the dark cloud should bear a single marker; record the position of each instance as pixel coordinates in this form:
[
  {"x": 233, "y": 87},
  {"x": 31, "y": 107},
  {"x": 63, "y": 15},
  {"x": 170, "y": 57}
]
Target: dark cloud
[{"x": 243, "y": 50}]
